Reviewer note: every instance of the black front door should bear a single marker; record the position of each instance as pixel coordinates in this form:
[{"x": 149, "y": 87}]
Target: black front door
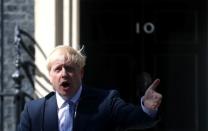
[{"x": 163, "y": 39}]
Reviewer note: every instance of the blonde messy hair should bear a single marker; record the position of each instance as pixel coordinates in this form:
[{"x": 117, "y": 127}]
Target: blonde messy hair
[{"x": 75, "y": 56}]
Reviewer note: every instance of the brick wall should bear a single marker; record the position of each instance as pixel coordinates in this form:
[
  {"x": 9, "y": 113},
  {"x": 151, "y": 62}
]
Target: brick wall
[{"x": 20, "y": 12}]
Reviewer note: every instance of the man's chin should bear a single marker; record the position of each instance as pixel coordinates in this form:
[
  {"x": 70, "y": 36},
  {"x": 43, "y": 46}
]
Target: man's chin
[{"x": 67, "y": 91}]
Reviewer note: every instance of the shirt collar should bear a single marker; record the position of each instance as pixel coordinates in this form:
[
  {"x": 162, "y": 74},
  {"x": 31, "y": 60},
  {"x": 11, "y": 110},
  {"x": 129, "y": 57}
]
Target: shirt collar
[{"x": 60, "y": 100}]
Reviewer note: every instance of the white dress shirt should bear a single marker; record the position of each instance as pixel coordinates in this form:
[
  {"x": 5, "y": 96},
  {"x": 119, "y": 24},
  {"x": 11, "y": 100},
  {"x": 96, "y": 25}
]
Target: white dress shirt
[{"x": 65, "y": 119}]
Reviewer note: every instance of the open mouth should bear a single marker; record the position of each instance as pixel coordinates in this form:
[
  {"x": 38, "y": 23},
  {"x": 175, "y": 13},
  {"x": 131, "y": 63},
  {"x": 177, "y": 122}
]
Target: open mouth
[{"x": 65, "y": 84}]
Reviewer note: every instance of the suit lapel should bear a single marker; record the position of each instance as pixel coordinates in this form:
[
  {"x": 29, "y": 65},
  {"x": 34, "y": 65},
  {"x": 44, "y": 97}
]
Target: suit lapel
[
  {"x": 86, "y": 107},
  {"x": 82, "y": 117},
  {"x": 50, "y": 116}
]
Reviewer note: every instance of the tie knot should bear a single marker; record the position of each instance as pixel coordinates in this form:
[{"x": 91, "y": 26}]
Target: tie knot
[
  {"x": 70, "y": 103},
  {"x": 72, "y": 106}
]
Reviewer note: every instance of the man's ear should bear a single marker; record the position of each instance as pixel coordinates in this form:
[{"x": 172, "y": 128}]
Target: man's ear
[{"x": 49, "y": 77}]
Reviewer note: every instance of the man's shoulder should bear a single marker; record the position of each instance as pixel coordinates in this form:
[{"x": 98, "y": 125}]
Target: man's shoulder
[{"x": 37, "y": 103}]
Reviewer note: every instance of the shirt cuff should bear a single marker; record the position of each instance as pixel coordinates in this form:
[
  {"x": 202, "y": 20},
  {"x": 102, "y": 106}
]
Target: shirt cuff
[{"x": 151, "y": 113}]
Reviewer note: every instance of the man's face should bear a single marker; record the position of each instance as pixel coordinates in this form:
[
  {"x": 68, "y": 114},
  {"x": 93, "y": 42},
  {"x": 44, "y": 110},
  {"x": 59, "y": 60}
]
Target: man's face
[{"x": 65, "y": 76}]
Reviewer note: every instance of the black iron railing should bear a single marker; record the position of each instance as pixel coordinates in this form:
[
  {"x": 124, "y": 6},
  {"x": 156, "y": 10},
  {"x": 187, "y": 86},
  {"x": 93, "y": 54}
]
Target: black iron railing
[
  {"x": 2, "y": 57},
  {"x": 18, "y": 94}
]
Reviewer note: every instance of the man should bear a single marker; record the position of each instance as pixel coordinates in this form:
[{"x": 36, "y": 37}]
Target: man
[{"x": 91, "y": 109}]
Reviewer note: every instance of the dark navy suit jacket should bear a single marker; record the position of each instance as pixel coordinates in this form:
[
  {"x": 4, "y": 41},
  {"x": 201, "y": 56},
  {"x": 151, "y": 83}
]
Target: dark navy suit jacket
[{"x": 98, "y": 110}]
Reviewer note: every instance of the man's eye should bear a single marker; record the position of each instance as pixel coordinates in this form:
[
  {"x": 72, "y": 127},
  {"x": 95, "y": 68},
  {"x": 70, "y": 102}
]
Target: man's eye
[
  {"x": 57, "y": 69},
  {"x": 69, "y": 69}
]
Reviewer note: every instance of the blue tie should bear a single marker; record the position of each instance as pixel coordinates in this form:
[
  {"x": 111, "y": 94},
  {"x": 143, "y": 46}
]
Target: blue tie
[{"x": 72, "y": 113}]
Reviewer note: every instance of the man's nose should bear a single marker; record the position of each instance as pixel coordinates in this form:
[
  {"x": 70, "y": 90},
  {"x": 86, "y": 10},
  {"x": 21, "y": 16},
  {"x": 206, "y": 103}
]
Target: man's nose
[{"x": 63, "y": 72}]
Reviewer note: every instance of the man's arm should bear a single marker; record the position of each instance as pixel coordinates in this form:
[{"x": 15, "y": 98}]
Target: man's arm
[{"x": 129, "y": 116}]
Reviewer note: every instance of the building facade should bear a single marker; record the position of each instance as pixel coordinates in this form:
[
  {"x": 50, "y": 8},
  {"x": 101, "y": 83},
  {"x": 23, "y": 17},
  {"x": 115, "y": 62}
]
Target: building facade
[
  {"x": 14, "y": 13},
  {"x": 126, "y": 42}
]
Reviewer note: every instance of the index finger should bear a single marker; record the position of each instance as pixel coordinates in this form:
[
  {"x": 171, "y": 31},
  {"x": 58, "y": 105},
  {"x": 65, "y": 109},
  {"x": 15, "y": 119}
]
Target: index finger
[{"x": 154, "y": 84}]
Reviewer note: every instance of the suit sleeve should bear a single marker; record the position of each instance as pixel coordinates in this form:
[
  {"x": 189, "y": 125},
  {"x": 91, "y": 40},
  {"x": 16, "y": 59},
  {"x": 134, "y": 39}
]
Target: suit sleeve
[{"x": 127, "y": 115}]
